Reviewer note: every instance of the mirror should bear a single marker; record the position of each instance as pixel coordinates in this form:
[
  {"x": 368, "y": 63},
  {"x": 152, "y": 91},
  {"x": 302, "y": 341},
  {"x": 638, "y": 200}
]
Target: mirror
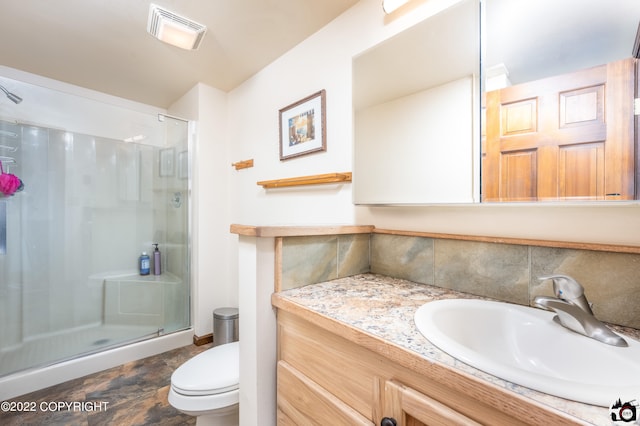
[
  {"x": 560, "y": 82},
  {"x": 537, "y": 56},
  {"x": 415, "y": 97}
]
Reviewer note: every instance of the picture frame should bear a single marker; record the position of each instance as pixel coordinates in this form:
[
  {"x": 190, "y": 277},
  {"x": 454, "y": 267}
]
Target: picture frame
[{"x": 303, "y": 128}]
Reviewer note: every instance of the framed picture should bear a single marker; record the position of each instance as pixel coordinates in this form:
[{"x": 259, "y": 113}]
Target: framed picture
[
  {"x": 303, "y": 127},
  {"x": 166, "y": 160}
]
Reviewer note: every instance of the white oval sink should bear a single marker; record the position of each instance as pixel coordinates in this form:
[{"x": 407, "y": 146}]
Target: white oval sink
[{"x": 525, "y": 346}]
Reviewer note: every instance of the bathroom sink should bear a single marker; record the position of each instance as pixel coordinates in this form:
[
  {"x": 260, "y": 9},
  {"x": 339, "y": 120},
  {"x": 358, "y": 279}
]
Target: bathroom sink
[{"x": 525, "y": 346}]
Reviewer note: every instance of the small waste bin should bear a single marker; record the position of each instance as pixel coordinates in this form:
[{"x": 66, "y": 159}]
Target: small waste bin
[{"x": 225, "y": 326}]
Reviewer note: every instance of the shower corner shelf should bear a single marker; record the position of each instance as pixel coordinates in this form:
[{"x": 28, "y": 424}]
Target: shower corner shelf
[{"x": 307, "y": 180}]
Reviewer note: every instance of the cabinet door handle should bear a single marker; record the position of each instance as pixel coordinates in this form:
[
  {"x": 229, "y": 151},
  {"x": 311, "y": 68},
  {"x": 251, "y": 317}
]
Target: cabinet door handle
[{"x": 388, "y": 421}]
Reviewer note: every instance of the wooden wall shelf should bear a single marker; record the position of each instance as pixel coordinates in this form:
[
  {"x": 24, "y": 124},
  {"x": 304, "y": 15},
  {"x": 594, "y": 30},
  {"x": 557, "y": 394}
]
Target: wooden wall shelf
[
  {"x": 307, "y": 180},
  {"x": 245, "y": 164}
]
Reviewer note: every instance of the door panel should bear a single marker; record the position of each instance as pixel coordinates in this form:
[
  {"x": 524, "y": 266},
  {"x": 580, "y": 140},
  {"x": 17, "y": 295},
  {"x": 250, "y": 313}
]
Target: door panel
[
  {"x": 519, "y": 174},
  {"x": 412, "y": 408},
  {"x": 572, "y": 135},
  {"x": 302, "y": 401}
]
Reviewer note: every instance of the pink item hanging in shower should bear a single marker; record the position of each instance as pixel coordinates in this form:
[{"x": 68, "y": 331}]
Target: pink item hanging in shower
[{"x": 9, "y": 183}]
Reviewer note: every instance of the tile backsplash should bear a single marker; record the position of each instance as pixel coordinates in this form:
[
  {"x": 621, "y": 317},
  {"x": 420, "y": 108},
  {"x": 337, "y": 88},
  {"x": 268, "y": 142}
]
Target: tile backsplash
[
  {"x": 314, "y": 259},
  {"x": 493, "y": 270},
  {"x": 611, "y": 280},
  {"x": 502, "y": 271}
]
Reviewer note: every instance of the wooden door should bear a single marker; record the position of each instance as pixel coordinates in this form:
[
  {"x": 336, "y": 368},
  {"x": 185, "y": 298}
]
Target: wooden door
[{"x": 568, "y": 137}]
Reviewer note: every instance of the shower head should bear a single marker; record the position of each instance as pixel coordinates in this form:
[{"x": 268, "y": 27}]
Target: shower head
[{"x": 14, "y": 98}]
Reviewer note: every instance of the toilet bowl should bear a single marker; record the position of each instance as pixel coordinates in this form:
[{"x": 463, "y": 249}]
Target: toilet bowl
[{"x": 207, "y": 386}]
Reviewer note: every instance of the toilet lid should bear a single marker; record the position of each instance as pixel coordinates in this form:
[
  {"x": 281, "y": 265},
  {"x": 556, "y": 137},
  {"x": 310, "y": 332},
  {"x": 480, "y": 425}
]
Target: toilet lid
[{"x": 214, "y": 371}]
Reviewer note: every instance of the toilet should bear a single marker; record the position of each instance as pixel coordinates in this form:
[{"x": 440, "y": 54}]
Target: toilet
[{"x": 207, "y": 386}]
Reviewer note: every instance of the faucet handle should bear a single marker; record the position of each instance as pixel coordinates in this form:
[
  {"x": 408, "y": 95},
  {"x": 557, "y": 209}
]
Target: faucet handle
[
  {"x": 567, "y": 288},
  {"x": 564, "y": 286}
]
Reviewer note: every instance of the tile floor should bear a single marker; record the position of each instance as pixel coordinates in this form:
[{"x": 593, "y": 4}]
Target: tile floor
[{"x": 131, "y": 394}]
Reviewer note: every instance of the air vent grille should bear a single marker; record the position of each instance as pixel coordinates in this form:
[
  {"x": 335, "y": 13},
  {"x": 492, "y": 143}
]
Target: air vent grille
[{"x": 160, "y": 19}]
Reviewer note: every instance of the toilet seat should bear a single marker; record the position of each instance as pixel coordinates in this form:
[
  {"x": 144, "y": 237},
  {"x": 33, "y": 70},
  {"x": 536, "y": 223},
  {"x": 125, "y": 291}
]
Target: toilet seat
[
  {"x": 220, "y": 404},
  {"x": 212, "y": 372}
]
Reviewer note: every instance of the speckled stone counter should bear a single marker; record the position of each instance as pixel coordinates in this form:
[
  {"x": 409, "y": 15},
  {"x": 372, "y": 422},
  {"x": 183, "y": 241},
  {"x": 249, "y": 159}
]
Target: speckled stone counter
[{"x": 384, "y": 307}]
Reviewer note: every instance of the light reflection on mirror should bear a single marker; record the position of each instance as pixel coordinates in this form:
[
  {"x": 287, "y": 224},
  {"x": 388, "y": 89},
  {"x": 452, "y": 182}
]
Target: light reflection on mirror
[{"x": 560, "y": 82}]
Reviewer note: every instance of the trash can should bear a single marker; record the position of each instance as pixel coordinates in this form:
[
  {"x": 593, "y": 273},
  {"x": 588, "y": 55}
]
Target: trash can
[{"x": 225, "y": 326}]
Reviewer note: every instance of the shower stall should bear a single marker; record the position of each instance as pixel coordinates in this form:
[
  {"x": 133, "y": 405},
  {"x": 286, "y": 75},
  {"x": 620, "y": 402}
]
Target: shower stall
[{"x": 97, "y": 193}]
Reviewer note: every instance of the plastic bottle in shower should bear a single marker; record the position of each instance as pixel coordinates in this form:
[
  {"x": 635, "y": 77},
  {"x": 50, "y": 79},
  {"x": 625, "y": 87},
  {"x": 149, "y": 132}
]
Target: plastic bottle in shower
[
  {"x": 157, "y": 261},
  {"x": 144, "y": 263}
]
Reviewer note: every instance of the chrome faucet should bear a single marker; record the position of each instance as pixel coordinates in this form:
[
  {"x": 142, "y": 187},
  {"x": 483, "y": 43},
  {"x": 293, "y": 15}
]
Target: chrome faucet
[{"x": 574, "y": 311}]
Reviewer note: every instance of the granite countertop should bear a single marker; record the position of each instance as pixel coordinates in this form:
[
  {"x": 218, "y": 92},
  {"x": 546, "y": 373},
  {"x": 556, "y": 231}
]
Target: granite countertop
[{"x": 384, "y": 307}]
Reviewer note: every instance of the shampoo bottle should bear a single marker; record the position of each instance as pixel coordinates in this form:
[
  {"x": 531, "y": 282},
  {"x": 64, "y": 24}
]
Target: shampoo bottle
[
  {"x": 157, "y": 262},
  {"x": 144, "y": 263}
]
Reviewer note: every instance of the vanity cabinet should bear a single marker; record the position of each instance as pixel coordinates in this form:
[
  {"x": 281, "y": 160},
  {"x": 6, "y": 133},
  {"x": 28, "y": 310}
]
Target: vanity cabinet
[
  {"x": 303, "y": 401},
  {"x": 331, "y": 373}
]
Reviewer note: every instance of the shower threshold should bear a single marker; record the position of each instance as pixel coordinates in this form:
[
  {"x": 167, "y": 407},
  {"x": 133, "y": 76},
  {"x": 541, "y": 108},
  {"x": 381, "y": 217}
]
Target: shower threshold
[{"x": 58, "y": 347}]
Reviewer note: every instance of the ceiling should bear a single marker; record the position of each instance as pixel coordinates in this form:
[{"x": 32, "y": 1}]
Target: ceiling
[{"x": 104, "y": 45}]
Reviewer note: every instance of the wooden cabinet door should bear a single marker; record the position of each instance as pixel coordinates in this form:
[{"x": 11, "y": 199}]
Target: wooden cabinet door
[
  {"x": 301, "y": 401},
  {"x": 411, "y": 408},
  {"x": 568, "y": 137}
]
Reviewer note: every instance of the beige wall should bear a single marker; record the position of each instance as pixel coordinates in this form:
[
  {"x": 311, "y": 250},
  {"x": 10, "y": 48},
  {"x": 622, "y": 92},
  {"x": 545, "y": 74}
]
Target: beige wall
[{"x": 597, "y": 223}]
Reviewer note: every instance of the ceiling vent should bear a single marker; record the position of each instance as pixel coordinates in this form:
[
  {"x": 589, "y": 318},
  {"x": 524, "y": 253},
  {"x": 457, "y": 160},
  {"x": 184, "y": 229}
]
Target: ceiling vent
[{"x": 174, "y": 29}]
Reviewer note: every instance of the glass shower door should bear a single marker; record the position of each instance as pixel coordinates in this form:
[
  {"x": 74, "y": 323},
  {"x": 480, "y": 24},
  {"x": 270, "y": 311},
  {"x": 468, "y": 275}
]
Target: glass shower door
[{"x": 70, "y": 242}]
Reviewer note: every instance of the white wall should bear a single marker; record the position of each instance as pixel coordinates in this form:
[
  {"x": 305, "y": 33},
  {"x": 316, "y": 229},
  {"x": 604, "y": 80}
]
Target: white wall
[
  {"x": 324, "y": 62},
  {"x": 211, "y": 265}
]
